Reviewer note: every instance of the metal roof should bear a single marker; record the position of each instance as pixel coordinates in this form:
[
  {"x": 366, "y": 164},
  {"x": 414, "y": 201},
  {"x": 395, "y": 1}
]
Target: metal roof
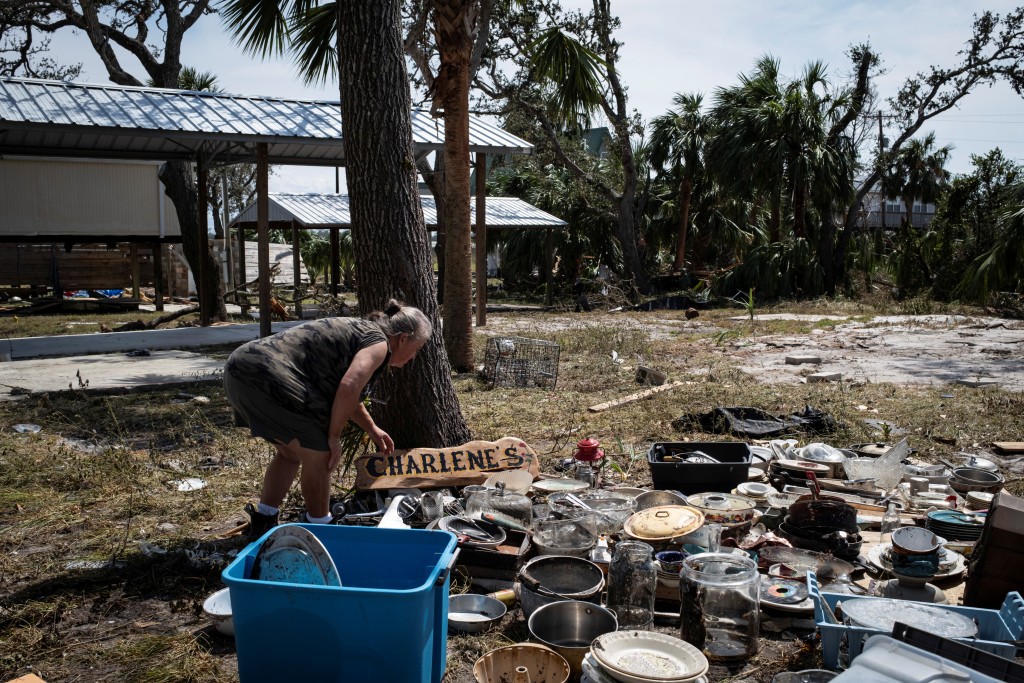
[
  {"x": 332, "y": 211},
  {"x": 57, "y": 118}
]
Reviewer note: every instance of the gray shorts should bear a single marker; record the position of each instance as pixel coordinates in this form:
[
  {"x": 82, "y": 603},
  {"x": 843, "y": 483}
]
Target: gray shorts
[{"x": 269, "y": 420}]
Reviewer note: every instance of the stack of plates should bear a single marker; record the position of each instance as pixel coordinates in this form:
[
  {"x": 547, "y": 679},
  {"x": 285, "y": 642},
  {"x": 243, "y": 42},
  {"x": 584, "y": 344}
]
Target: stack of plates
[
  {"x": 956, "y": 526},
  {"x": 979, "y": 500},
  {"x": 643, "y": 657}
]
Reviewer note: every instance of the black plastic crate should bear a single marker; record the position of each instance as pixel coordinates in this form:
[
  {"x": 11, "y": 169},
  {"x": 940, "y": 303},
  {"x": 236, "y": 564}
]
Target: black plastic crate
[{"x": 689, "y": 478}]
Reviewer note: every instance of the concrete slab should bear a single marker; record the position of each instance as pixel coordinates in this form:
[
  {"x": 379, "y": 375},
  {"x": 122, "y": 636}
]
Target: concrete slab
[
  {"x": 978, "y": 383},
  {"x": 825, "y": 377},
  {"x": 112, "y": 342},
  {"x": 801, "y": 358},
  {"x": 98, "y": 373}
]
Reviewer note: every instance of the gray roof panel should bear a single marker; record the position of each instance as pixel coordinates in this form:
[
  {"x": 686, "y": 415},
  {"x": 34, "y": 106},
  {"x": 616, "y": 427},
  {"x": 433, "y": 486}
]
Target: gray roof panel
[
  {"x": 56, "y": 118},
  {"x": 332, "y": 211}
]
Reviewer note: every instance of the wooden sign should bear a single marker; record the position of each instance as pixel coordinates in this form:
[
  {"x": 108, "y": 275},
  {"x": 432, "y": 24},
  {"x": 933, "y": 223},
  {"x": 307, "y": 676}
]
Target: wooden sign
[{"x": 463, "y": 465}]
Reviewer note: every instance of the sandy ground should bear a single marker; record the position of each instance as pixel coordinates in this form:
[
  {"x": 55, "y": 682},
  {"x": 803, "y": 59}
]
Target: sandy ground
[{"x": 903, "y": 350}]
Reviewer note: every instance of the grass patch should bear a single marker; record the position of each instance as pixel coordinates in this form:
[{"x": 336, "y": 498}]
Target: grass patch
[{"x": 134, "y": 615}]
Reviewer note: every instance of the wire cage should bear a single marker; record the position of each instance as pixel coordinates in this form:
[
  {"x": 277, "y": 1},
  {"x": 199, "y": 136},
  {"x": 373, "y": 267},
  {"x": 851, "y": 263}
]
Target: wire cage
[{"x": 521, "y": 362}]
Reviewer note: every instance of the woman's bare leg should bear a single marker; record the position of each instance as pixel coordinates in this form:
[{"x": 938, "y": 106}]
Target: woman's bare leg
[{"x": 279, "y": 475}]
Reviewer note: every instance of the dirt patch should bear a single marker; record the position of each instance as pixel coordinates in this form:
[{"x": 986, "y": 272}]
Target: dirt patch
[{"x": 924, "y": 350}]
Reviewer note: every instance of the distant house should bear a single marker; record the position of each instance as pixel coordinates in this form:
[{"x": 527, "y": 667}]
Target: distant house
[{"x": 872, "y": 214}]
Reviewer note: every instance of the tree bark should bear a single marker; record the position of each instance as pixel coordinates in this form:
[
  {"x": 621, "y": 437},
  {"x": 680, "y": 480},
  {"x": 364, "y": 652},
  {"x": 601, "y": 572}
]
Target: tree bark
[
  {"x": 179, "y": 180},
  {"x": 451, "y": 19},
  {"x": 685, "y": 195},
  {"x": 390, "y": 242}
]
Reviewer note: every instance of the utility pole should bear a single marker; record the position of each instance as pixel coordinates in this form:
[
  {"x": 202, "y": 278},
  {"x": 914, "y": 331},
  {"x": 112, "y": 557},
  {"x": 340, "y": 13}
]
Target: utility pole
[{"x": 881, "y": 166}]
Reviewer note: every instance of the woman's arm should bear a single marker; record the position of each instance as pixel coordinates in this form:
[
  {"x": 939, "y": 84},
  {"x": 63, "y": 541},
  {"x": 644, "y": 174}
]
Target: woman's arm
[
  {"x": 346, "y": 403},
  {"x": 382, "y": 439}
]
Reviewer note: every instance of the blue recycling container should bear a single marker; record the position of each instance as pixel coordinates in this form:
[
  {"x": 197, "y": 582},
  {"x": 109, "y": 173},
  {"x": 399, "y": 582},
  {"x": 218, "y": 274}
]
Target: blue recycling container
[{"x": 387, "y": 622}]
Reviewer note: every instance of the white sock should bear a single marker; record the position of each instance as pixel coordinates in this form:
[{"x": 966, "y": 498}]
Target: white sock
[
  {"x": 319, "y": 520},
  {"x": 265, "y": 509}
]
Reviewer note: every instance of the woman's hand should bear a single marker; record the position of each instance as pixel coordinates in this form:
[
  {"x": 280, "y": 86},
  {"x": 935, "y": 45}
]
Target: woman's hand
[{"x": 383, "y": 441}]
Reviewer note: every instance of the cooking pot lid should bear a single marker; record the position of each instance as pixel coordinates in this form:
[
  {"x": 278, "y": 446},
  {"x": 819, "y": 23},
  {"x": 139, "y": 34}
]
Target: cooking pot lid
[
  {"x": 663, "y": 522},
  {"x": 721, "y": 502}
]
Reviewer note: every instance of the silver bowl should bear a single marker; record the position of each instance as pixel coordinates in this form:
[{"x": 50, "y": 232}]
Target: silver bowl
[{"x": 473, "y": 613}]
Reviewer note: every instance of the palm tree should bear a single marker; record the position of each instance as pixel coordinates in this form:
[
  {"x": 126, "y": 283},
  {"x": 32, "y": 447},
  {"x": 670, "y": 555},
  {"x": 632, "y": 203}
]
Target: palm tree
[
  {"x": 358, "y": 41},
  {"x": 678, "y": 139},
  {"x": 455, "y": 23},
  {"x": 747, "y": 152},
  {"x": 309, "y": 29},
  {"x": 917, "y": 171},
  {"x": 998, "y": 269}
]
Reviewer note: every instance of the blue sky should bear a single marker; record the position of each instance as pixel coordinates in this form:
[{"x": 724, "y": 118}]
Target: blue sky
[{"x": 683, "y": 46}]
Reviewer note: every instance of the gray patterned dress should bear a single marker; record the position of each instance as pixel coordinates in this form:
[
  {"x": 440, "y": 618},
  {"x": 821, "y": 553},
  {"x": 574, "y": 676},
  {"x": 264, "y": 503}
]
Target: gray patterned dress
[{"x": 282, "y": 387}]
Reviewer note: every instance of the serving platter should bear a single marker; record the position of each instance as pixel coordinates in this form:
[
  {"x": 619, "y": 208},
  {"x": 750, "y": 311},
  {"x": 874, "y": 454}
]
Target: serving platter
[{"x": 293, "y": 554}]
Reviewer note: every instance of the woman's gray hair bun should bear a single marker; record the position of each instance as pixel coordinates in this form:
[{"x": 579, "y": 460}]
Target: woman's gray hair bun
[{"x": 398, "y": 318}]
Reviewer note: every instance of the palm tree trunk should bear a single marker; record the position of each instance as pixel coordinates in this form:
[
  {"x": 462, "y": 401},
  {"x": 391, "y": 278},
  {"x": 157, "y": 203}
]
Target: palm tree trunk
[
  {"x": 775, "y": 224},
  {"x": 456, "y": 45},
  {"x": 684, "y": 224},
  {"x": 799, "y": 210},
  {"x": 391, "y": 246}
]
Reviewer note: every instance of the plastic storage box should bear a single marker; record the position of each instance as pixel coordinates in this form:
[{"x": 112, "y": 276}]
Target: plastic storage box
[
  {"x": 732, "y": 469},
  {"x": 996, "y": 630},
  {"x": 886, "y": 660},
  {"x": 387, "y": 622}
]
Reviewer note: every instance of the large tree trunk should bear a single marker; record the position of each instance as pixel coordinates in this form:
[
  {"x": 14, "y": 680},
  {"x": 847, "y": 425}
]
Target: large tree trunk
[
  {"x": 684, "y": 224},
  {"x": 451, "y": 18},
  {"x": 179, "y": 180},
  {"x": 799, "y": 211},
  {"x": 775, "y": 224},
  {"x": 391, "y": 246}
]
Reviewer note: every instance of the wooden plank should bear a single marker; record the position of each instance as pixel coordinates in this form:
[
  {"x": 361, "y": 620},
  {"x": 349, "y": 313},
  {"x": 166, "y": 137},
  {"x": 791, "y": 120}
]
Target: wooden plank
[
  {"x": 1009, "y": 446},
  {"x": 640, "y": 395}
]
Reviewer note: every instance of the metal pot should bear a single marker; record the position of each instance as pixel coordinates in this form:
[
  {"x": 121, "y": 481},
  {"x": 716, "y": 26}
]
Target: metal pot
[
  {"x": 569, "y": 627},
  {"x": 975, "y": 475},
  {"x": 824, "y": 512},
  {"x": 550, "y": 578}
]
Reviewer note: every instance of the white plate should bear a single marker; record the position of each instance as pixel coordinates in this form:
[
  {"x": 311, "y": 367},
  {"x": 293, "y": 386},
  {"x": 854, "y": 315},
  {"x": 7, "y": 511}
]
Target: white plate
[
  {"x": 555, "y": 485},
  {"x": 593, "y": 672},
  {"x": 516, "y": 481},
  {"x": 648, "y": 657},
  {"x": 876, "y": 556},
  {"x": 293, "y": 554}
]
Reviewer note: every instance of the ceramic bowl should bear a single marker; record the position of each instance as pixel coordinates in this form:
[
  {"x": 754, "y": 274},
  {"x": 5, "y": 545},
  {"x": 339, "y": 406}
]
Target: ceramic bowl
[
  {"x": 217, "y": 609},
  {"x": 914, "y": 540}
]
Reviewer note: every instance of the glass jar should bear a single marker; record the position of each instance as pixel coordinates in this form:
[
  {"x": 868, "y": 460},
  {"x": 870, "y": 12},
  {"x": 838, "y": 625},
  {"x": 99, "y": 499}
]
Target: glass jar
[
  {"x": 512, "y": 506},
  {"x": 632, "y": 581},
  {"x": 720, "y": 606}
]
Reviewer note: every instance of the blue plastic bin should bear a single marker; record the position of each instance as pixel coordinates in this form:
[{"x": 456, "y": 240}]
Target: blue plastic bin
[
  {"x": 997, "y": 630},
  {"x": 387, "y": 622}
]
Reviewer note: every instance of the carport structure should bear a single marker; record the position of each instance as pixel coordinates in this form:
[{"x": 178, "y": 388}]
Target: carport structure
[
  {"x": 100, "y": 121},
  {"x": 331, "y": 212}
]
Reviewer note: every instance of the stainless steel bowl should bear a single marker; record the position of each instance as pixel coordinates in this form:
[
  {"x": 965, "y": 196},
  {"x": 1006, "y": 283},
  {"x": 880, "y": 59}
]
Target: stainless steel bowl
[{"x": 472, "y": 613}]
